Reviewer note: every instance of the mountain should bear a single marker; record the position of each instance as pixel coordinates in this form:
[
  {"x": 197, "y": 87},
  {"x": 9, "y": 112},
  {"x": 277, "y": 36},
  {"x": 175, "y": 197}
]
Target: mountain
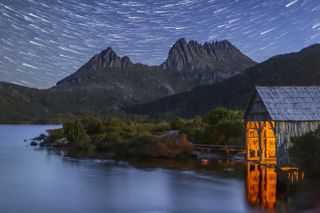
[
  {"x": 294, "y": 69},
  {"x": 219, "y": 56},
  {"x": 106, "y": 59},
  {"x": 205, "y": 63},
  {"x": 108, "y": 82},
  {"x": 191, "y": 62}
]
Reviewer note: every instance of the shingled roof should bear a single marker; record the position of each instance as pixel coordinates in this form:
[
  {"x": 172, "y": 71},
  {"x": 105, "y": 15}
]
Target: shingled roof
[{"x": 291, "y": 103}]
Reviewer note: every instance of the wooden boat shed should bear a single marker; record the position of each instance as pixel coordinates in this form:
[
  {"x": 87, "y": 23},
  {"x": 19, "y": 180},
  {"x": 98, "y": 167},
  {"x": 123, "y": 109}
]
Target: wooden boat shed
[{"x": 274, "y": 115}]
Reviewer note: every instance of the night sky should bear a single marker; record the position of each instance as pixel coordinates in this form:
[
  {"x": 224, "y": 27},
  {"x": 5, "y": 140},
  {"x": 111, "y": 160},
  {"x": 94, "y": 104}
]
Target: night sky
[{"x": 43, "y": 41}]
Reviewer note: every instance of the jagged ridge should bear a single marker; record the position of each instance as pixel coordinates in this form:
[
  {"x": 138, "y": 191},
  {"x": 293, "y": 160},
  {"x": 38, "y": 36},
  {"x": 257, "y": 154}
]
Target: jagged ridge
[
  {"x": 108, "y": 58},
  {"x": 219, "y": 56}
]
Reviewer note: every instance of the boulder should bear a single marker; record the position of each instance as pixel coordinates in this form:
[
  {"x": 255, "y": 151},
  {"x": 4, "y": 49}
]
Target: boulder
[{"x": 33, "y": 143}]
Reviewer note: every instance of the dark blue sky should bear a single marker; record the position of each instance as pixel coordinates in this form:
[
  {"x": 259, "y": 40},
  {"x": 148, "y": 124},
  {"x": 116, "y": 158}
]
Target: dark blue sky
[{"x": 42, "y": 41}]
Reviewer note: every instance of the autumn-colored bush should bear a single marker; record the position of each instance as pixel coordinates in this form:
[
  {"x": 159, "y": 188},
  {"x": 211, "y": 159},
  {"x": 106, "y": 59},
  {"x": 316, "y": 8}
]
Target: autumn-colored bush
[{"x": 173, "y": 145}]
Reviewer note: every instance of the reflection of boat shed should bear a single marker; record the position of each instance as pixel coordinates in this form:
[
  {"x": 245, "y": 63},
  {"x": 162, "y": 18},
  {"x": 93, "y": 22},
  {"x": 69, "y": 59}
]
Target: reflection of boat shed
[{"x": 276, "y": 114}]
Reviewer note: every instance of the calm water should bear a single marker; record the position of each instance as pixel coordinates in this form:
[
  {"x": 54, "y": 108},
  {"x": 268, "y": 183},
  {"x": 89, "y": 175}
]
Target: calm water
[{"x": 35, "y": 180}]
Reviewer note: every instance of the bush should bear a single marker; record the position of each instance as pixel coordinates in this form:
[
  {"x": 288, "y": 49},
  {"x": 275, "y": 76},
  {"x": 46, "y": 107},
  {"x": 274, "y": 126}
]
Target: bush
[
  {"x": 194, "y": 129},
  {"x": 143, "y": 146},
  {"x": 114, "y": 125},
  {"x": 114, "y": 137},
  {"x": 185, "y": 145},
  {"x": 92, "y": 125},
  {"x": 149, "y": 146},
  {"x": 160, "y": 126},
  {"x": 225, "y": 132},
  {"x": 55, "y": 134},
  {"x": 221, "y": 114},
  {"x": 196, "y": 134},
  {"x": 306, "y": 151},
  {"x": 173, "y": 146},
  {"x": 177, "y": 124},
  {"x": 77, "y": 135}
]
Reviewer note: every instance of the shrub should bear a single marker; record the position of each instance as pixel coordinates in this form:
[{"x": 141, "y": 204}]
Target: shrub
[
  {"x": 160, "y": 126},
  {"x": 306, "y": 151},
  {"x": 77, "y": 135},
  {"x": 177, "y": 124},
  {"x": 185, "y": 145},
  {"x": 225, "y": 132},
  {"x": 195, "y": 128},
  {"x": 55, "y": 134},
  {"x": 196, "y": 134},
  {"x": 114, "y": 137},
  {"x": 221, "y": 114},
  {"x": 92, "y": 125},
  {"x": 114, "y": 125},
  {"x": 142, "y": 146},
  {"x": 172, "y": 146}
]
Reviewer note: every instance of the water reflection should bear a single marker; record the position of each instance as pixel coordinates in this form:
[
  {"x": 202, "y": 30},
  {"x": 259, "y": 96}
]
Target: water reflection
[
  {"x": 261, "y": 185},
  {"x": 263, "y": 188},
  {"x": 294, "y": 174},
  {"x": 262, "y": 182},
  {"x": 228, "y": 168},
  {"x": 266, "y": 187}
]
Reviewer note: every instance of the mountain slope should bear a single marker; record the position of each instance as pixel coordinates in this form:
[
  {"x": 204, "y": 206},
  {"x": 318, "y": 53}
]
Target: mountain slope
[
  {"x": 301, "y": 68},
  {"x": 18, "y": 103}
]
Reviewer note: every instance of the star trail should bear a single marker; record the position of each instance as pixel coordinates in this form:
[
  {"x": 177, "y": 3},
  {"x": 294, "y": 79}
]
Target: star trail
[{"x": 43, "y": 41}]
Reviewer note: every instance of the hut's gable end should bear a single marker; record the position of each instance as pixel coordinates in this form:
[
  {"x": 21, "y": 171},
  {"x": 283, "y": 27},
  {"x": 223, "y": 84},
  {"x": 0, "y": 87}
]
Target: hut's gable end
[{"x": 256, "y": 111}]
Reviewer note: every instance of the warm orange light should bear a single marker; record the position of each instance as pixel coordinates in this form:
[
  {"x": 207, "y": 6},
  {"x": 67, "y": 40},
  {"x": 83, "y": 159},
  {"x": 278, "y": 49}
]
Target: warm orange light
[
  {"x": 253, "y": 179},
  {"x": 287, "y": 168},
  {"x": 204, "y": 162},
  {"x": 261, "y": 142}
]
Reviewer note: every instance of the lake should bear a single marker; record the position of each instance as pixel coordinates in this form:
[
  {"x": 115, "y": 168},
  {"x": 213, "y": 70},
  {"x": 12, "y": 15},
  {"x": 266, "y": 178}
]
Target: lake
[{"x": 42, "y": 180}]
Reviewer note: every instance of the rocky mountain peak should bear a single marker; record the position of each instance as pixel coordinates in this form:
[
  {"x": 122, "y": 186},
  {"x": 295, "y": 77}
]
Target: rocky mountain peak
[
  {"x": 109, "y": 59},
  {"x": 213, "y": 56},
  {"x": 181, "y": 41}
]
